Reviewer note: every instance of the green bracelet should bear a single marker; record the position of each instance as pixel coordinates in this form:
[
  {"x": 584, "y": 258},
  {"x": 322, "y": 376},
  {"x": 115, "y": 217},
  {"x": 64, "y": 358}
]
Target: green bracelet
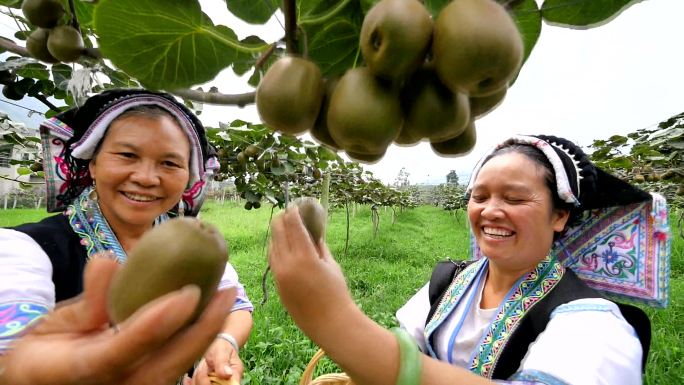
[{"x": 410, "y": 361}]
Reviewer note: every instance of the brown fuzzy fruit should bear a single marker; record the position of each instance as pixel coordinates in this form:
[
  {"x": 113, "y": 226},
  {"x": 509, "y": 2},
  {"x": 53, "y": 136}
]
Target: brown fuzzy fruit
[
  {"x": 313, "y": 215},
  {"x": 289, "y": 96},
  {"x": 43, "y": 13},
  {"x": 458, "y": 146},
  {"x": 36, "y": 45},
  {"x": 364, "y": 114},
  {"x": 477, "y": 47},
  {"x": 179, "y": 252},
  {"x": 65, "y": 43},
  {"x": 395, "y": 37},
  {"x": 481, "y": 106}
]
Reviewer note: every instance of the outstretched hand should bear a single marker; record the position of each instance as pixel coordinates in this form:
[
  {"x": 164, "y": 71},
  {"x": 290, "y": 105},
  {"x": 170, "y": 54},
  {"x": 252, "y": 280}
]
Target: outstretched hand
[
  {"x": 75, "y": 345},
  {"x": 309, "y": 281}
]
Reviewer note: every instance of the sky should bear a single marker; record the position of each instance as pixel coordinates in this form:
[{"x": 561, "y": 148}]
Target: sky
[{"x": 579, "y": 84}]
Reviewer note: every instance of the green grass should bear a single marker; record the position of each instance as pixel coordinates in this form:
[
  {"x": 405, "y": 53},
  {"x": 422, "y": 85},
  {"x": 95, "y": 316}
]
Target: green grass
[{"x": 382, "y": 273}]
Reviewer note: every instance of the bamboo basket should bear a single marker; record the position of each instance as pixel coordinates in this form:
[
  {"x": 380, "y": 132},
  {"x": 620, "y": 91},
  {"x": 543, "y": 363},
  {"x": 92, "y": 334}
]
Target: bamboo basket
[{"x": 325, "y": 379}]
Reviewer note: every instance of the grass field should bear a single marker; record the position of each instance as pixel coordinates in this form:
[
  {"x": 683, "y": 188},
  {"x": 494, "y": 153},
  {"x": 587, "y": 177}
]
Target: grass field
[{"x": 382, "y": 273}]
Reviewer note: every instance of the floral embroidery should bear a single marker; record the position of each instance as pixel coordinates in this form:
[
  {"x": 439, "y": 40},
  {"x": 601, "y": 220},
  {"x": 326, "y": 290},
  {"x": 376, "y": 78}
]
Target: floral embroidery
[{"x": 16, "y": 318}]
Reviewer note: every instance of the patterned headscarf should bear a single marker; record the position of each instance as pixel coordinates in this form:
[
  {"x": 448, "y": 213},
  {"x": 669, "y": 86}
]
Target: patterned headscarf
[
  {"x": 70, "y": 139},
  {"x": 620, "y": 243}
]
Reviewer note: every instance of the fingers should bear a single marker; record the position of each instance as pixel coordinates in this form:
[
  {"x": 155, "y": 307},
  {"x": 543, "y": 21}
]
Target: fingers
[
  {"x": 89, "y": 311},
  {"x": 146, "y": 330},
  {"x": 181, "y": 351}
]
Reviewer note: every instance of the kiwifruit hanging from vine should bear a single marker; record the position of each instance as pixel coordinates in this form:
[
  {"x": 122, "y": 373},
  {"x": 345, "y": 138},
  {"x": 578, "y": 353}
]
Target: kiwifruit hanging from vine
[
  {"x": 320, "y": 130},
  {"x": 458, "y": 146},
  {"x": 251, "y": 151},
  {"x": 395, "y": 37},
  {"x": 365, "y": 158},
  {"x": 289, "y": 96},
  {"x": 482, "y": 105},
  {"x": 477, "y": 47},
  {"x": 364, "y": 114},
  {"x": 313, "y": 215},
  {"x": 431, "y": 109},
  {"x": 179, "y": 252},
  {"x": 10, "y": 92},
  {"x": 36, "y": 45},
  {"x": 43, "y": 13},
  {"x": 65, "y": 43}
]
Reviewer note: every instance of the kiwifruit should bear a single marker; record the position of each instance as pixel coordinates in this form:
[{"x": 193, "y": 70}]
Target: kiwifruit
[
  {"x": 365, "y": 158},
  {"x": 431, "y": 109},
  {"x": 256, "y": 205},
  {"x": 65, "y": 43},
  {"x": 36, "y": 45},
  {"x": 43, "y": 13},
  {"x": 179, "y": 252},
  {"x": 481, "y": 106},
  {"x": 364, "y": 114},
  {"x": 320, "y": 130},
  {"x": 10, "y": 92},
  {"x": 639, "y": 178},
  {"x": 317, "y": 173},
  {"x": 289, "y": 96},
  {"x": 458, "y": 146},
  {"x": 313, "y": 215},
  {"x": 36, "y": 166},
  {"x": 248, "y": 205},
  {"x": 395, "y": 37},
  {"x": 251, "y": 151},
  {"x": 7, "y": 76},
  {"x": 477, "y": 47},
  {"x": 241, "y": 158},
  {"x": 680, "y": 190}
]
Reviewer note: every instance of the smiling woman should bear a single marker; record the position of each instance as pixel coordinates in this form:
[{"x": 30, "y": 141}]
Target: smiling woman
[{"x": 115, "y": 167}]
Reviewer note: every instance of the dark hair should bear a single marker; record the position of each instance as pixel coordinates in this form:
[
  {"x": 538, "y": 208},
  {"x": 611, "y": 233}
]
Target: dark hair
[{"x": 538, "y": 157}]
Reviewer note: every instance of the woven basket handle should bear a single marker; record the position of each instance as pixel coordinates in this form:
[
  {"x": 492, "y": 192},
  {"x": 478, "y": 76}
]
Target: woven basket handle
[{"x": 307, "y": 375}]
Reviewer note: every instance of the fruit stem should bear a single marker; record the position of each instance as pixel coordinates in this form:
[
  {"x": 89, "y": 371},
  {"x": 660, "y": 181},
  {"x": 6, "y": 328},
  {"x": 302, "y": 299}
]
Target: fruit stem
[
  {"x": 324, "y": 17},
  {"x": 74, "y": 20},
  {"x": 290, "y": 11}
]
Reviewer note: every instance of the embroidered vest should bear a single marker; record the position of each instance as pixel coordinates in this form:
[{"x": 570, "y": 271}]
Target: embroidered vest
[
  {"x": 512, "y": 350},
  {"x": 67, "y": 255}
]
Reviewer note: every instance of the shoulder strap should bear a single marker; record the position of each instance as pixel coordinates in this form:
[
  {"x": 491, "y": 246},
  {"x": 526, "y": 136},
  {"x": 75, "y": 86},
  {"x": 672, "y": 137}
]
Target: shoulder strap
[{"x": 442, "y": 275}]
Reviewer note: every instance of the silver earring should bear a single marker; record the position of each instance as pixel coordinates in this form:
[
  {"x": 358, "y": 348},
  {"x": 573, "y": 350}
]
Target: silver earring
[
  {"x": 92, "y": 195},
  {"x": 181, "y": 208}
]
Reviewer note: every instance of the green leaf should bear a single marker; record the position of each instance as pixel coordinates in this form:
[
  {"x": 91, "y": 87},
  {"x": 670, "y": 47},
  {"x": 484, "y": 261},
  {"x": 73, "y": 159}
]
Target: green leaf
[
  {"x": 253, "y": 11},
  {"x": 528, "y": 19},
  {"x": 621, "y": 162},
  {"x": 33, "y": 70},
  {"x": 11, "y": 3},
  {"x": 24, "y": 171},
  {"x": 334, "y": 46},
  {"x": 583, "y": 14},
  {"x": 165, "y": 44},
  {"x": 61, "y": 73},
  {"x": 84, "y": 12},
  {"x": 246, "y": 60}
]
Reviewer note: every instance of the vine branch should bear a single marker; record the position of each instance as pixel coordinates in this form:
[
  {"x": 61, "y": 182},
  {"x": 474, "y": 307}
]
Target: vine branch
[
  {"x": 9, "y": 45},
  {"x": 240, "y": 100},
  {"x": 74, "y": 20},
  {"x": 45, "y": 101},
  {"x": 290, "y": 11}
]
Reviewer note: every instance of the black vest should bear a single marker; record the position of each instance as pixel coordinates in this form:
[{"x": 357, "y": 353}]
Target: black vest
[
  {"x": 569, "y": 288},
  {"x": 63, "y": 246}
]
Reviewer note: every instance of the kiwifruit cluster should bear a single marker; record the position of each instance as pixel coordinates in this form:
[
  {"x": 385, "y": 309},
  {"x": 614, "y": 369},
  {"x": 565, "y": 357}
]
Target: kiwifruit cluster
[
  {"x": 51, "y": 41},
  {"x": 423, "y": 80}
]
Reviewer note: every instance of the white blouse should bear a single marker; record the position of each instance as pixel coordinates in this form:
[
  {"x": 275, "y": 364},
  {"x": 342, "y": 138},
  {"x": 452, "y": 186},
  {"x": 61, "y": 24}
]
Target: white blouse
[{"x": 586, "y": 342}]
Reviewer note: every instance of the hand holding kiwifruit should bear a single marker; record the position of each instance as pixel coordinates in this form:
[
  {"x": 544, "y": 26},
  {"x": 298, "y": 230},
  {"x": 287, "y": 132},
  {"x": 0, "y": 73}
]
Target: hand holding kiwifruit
[
  {"x": 313, "y": 215},
  {"x": 179, "y": 252}
]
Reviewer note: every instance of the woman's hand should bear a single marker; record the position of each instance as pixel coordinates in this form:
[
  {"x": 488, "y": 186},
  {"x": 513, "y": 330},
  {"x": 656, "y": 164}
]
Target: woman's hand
[
  {"x": 309, "y": 281},
  {"x": 74, "y": 344},
  {"x": 221, "y": 361}
]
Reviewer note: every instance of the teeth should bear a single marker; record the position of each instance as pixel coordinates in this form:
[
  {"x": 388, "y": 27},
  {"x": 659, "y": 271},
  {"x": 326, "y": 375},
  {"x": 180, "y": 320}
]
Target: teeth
[
  {"x": 140, "y": 198},
  {"x": 497, "y": 232}
]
